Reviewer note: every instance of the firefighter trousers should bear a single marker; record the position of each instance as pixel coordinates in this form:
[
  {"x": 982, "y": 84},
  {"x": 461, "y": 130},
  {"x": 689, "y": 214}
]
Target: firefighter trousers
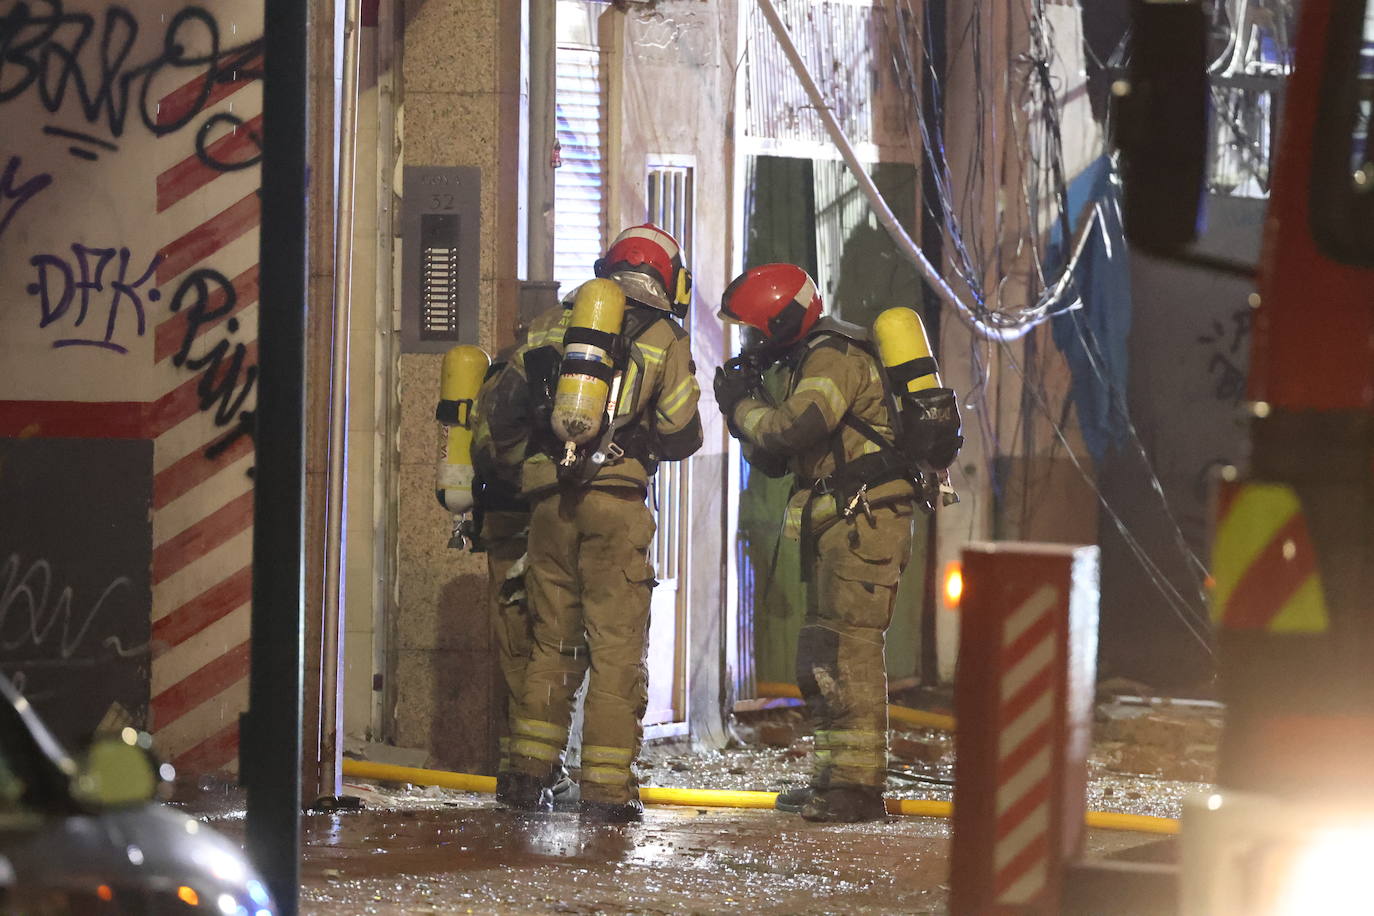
[
  {"x": 504, "y": 534},
  {"x": 841, "y": 669},
  {"x": 589, "y": 584}
]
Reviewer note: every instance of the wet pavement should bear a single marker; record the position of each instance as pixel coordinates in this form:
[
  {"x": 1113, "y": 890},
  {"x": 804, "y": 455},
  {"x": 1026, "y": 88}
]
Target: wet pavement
[
  {"x": 430, "y": 850},
  {"x": 771, "y": 770},
  {"x": 414, "y": 850},
  {"x": 472, "y": 858}
]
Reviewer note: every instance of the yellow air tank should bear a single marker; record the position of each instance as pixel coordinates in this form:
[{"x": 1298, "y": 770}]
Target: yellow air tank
[
  {"x": 905, "y": 350},
  {"x": 461, "y": 375},
  {"x": 584, "y": 384}
]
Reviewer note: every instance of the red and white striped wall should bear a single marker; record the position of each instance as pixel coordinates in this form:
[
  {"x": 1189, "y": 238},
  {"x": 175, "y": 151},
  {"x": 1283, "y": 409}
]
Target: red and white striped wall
[
  {"x": 202, "y": 505},
  {"x": 1023, "y": 699}
]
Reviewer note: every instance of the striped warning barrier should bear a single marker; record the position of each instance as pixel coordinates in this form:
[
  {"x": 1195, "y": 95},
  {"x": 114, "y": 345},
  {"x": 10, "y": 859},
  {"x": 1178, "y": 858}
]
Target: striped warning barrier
[
  {"x": 1264, "y": 566},
  {"x": 1023, "y": 747},
  {"x": 1027, "y": 657}
]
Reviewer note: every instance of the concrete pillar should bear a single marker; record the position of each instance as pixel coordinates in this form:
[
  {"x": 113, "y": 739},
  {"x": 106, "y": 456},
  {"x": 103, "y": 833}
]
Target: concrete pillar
[{"x": 460, "y": 100}]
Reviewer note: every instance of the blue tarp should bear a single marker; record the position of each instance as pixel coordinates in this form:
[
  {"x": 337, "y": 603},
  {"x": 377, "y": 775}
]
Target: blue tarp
[{"x": 1093, "y": 337}]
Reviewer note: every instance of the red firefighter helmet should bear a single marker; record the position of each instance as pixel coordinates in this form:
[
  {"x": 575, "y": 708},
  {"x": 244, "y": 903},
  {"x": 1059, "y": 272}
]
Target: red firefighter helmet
[
  {"x": 647, "y": 262},
  {"x": 779, "y": 299}
]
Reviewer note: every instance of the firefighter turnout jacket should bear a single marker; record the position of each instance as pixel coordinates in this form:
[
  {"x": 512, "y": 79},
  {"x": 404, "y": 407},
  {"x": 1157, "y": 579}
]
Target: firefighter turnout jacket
[{"x": 830, "y": 375}]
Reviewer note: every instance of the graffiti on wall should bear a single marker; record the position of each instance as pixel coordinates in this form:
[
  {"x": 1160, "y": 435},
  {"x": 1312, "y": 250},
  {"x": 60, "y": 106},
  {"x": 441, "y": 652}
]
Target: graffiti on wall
[
  {"x": 82, "y": 281},
  {"x": 35, "y": 614},
  {"x": 205, "y": 298},
  {"x": 81, "y": 63},
  {"x": 128, "y": 229},
  {"x": 77, "y": 62},
  {"x": 1225, "y": 342},
  {"x": 74, "y": 627},
  {"x": 15, "y": 193}
]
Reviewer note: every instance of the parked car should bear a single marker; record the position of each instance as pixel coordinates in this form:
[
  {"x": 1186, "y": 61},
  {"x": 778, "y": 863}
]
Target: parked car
[{"x": 90, "y": 837}]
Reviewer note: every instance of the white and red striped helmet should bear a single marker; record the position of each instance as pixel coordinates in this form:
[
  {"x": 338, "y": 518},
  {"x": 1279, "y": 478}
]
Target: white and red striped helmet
[
  {"x": 780, "y": 300},
  {"x": 647, "y": 263}
]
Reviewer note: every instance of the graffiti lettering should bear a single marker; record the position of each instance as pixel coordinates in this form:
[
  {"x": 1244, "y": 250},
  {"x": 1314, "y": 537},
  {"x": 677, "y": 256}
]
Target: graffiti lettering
[
  {"x": 51, "y": 52},
  {"x": 61, "y": 283},
  {"x": 208, "y": 153},
  {"x": 12, "y": 195},
  {"x": 77, "y": 151},
  {"x": 1226, "y": 345},
  {"x": 227, "y": 381},
  {"x": 28, "y": 617}
]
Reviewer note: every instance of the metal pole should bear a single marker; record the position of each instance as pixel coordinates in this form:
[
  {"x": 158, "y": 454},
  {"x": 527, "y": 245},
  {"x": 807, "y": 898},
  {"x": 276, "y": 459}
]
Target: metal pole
[
  {"x": 932, "y": 237},
  {"x": 383, "y": 500},
  {"x": 543, "y": 129},
  {"x": 270, "y": 745},
  {"x": 336, "y": 514}
]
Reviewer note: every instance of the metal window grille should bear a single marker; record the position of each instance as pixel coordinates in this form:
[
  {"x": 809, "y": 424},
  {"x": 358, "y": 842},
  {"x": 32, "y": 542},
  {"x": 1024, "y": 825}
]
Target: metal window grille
[{"x": 669, "y": 199}]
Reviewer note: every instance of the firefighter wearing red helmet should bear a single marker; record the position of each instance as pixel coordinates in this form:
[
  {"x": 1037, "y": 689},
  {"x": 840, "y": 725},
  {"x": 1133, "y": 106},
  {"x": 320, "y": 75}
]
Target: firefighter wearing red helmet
[
  {"x": 588, "y": 580},
  {"x": 852, "y": 511}
]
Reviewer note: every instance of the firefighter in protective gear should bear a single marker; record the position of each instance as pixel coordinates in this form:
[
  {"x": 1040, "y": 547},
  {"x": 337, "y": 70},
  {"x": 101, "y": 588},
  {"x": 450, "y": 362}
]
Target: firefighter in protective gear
[
  {"x": 504, "y": 533},
  {"x": 588, "y": 578},
  {"x": 852, "y": 511}
]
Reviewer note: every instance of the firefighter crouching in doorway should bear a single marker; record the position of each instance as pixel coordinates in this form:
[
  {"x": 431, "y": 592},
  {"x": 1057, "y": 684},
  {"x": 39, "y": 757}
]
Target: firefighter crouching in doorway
[
  {"x": 608, "y": 398},
  {"x": 853, "y": 509}
]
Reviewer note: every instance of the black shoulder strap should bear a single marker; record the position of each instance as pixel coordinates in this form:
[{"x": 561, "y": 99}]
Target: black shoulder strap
[
  {"x": 867, "y": 431},
  {"x": 638, "y": 321},
  {"x": 860, "y": 426}
]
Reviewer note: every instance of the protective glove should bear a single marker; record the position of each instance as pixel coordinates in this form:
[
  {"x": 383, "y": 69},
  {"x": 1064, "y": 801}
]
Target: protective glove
[{"x": 731, "y": 387}]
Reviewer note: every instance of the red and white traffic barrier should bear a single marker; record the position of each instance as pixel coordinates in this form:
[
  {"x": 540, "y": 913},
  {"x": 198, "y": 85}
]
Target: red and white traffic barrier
[{"x": 1023, "y": 700}]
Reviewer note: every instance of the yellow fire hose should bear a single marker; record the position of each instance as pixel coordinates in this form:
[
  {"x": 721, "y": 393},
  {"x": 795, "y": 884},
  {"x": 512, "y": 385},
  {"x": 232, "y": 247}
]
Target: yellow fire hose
[
  {"x": 916, "y": 718},
  {"x": 717, "y": 798}
]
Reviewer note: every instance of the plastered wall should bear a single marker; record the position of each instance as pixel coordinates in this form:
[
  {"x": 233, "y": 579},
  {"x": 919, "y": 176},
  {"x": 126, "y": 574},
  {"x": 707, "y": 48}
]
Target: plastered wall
[{"x": 675, "y": 99}]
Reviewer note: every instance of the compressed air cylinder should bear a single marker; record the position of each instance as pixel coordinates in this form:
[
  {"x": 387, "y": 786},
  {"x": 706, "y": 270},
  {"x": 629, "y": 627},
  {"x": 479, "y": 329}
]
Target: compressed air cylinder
[
  {"x": 461, "y": 375},
  {"x": 905, "y": 350},
  {"x": 584, "y": 384}
]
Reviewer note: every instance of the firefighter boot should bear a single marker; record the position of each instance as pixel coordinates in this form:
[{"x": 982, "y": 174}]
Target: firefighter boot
[
  {"x": 525, "y": 792},
  {"x": 629, "y": 812},
  {"x": 566, "y": 793},
  {"x": 845, "y": 805},
  {"x": 793, "y": 800}
]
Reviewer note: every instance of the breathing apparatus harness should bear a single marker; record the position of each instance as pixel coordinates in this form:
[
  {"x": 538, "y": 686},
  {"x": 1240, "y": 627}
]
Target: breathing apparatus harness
[
  {"x": 620, "y": 436},
  {"x": 924, "y": 441},
  {"x": 490, "y": 493}
]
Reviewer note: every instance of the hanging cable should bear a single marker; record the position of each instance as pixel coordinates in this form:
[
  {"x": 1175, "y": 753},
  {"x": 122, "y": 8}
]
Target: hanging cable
[{"x": 1042, "y": 152}]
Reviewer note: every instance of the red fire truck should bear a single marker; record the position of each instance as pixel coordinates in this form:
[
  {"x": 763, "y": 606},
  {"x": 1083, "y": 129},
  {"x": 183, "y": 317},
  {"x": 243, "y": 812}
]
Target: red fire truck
[{"x": 1290, "y": 828}]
